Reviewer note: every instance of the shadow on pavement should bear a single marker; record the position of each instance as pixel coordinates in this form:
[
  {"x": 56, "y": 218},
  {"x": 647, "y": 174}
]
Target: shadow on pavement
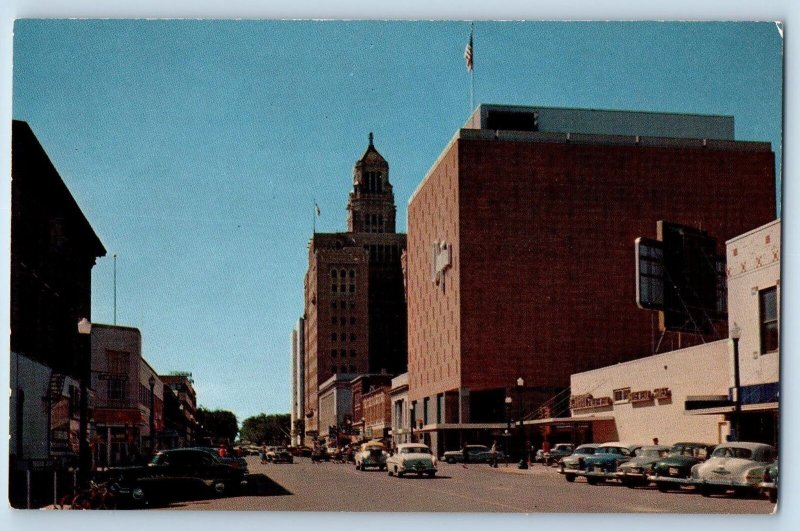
[{"x": 261, "y": 485}]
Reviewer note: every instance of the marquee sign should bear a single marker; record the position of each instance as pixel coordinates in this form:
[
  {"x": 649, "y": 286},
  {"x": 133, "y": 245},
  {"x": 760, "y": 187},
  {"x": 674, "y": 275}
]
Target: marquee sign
[
  {"x": 440, "y": 262},
  {"x": 588, "y": 401},
  {"x": 662, "y": 393},
  {"x": 640, "y": 396}
]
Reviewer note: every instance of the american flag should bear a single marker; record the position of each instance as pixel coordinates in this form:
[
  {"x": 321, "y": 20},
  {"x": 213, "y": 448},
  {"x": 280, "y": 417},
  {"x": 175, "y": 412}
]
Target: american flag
[
  {"x": 468, "y": 53},
  {"x": 316, "y": 207}
]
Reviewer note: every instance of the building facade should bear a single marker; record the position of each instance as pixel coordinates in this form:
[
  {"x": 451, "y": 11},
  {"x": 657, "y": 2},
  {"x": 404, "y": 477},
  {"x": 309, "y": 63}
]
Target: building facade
[
  {"x": 520, "y": 247},
  {"x": 53, "y": 250},
  {"x": 690, "y": 394},
  {"x": 401, "y": 419},
  {"x": 355, "y": 314},
  {"x": 180, "y": 423},
  {"x": 121, "y": 378}
]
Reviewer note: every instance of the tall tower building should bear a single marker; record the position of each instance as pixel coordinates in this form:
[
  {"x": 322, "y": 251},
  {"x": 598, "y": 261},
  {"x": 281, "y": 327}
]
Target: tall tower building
[{"x": 355, "y": 312}]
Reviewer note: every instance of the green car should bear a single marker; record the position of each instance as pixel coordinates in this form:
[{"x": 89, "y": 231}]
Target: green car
[
  {"x": 675, "y": 470},
  {"x": 769, "y": 483}
]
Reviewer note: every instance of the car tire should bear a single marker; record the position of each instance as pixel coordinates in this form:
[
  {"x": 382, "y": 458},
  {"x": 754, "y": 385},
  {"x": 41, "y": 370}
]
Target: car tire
[
  {"x": 663, "y": 487},
  {"x": 773, "y": 496},
  {"x": 220, "y": 488},
  {"x": 570, "y": 478},
  {"x": 397, "y": 473},
  {"x": 705, "y": 490},
  {"x": 592, "y": 481},
  {"x": 451, "y": 461},
  {"x": 390, "y": 472},
  {"x": 382, "y": 468},
  {"x": 431, "y": 473}
]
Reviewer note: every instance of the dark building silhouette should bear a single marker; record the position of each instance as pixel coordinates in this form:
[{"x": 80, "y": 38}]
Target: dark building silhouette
[
  {"x": 53, "y": 250},
  {"x": 355, "y": 313}
]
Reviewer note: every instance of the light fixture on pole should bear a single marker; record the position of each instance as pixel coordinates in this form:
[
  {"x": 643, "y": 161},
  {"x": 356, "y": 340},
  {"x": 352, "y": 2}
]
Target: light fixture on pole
[
  {"x": 523, "y": 462},
  {"x": 85, "y": 357},
  {"x": 735, "y": 334},
  {"x": 152, "y": 382}
]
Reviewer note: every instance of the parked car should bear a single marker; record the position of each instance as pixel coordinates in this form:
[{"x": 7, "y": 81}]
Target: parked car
[
  {"x": 558, "y": 452},
  {"x": 236, "y": 462},
  {"x": 576, "y": 461},
  {"x": 176, "y": 474},
  {"x": 675, "y": 470},
  {"x": 478, "y": 453},
  {"x": 301, "y": 451},
  {"x": 769, "y": 482},
  {"x": 602, "y": 466},
  {"x": 635, "y": 472},
  {"x": 281, "y": 455},
  {"x": 737, "y": 466},
  {"x": 371, "y": 454},
  {"x": 412, "y": 458}
]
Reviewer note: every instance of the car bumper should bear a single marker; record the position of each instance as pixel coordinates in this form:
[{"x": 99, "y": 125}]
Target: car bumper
[
  {"x": 417, "y": 468},
  {"x": 671, "y": 480},
  {"x": 634, "y": 476},
  {"x": 730, "y": 483},
  {"x": 767, "y": 485},
  {"x": 595, "y": 474}
]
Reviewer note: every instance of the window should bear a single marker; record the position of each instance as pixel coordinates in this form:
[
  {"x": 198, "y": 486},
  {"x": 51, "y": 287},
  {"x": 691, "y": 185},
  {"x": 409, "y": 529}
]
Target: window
[
  {"x": 768, "y": 318},
  {"x": 115, "y": 389},
  {"x": 118, "y": 362},
  {"x": 333, "y": 369},
  {"x": 333, "y": 353},
  {"x": 425, "y": 402},
  {"x": 343, "y": 353},
  {"x": 352, "y": 320},
  {"x": 352, "y": 288},
  {"x": 621, "y": 395},
  {"x": 333, "y": 336},
  {"x": 352, "y": 368},
  {"x": 333, "y": 288},
  {"x": 342, "y": 321},
  {"x": 439, "y": 408},
  {"x": 333, "y": 320},
  {"x": 352, "y": 337},
  {"x": 342, "y": 273},
  {"x": 352, "y": 353},
  {"x": 333, "y": 305},
  {"x": 333, "y": 273},
  {"x": 352, "y": 273}
]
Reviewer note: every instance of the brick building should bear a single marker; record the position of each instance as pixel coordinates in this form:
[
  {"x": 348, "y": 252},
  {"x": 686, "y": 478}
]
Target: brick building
[
  {"x": 53, "y": 250},
  {"x": 355, "y": 313},
  {"x": 520, "y": 248}
]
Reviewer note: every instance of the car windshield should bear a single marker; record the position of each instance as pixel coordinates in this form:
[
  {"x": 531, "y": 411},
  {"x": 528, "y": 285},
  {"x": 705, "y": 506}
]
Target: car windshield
[
  {"x": 415, "y": 450},
  {"x": 739, "y": 453},
  {"x": 612, "y": 450},
  {"x": 477, "y": 448},
  {"x": 563, "y": 447},
  {"x": 585, "y": 451},
  {"x": 692, "y": 451},
  {"x": 653, "y": 452}
]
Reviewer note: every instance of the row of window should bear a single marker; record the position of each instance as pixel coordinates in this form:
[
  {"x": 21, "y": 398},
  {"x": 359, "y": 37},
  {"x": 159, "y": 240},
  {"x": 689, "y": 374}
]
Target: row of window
[
  {"x": 342, "y": 304},
  {"x": 342, "y": 320},
  {"x": 343, "y": 353},
  {"x": 342, "y": 337},
  {"x": 383, "y": 253},
  {"x": 343, "y": 288},
  {"x": 373, "y": 181},
  {"x": 343, "y": 369},
  {"x": 343, "y": 273}
]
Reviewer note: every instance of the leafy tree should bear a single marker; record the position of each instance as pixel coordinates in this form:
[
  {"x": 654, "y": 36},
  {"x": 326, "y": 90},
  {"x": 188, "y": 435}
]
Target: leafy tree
[
  {"x": 267, "y": 429},
  {"x": 218, "y": 424}
]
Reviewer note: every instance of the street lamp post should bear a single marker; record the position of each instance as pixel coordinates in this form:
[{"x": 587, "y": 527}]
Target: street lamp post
[
  {"x": 737, "y": 403},
  {"x": 508, "y": 427},
  {"x": 152, "y": 382},
  {"x": 523, "y": 462},
  {"x": 85, "y": 332}
]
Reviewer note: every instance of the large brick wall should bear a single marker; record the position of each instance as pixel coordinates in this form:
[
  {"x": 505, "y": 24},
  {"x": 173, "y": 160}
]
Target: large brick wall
[{"x": 542, "y": 279}]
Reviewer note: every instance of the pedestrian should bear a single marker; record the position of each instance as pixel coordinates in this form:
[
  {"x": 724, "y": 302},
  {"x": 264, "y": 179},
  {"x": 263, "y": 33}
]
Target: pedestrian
[
  {"x": 493, "y": 452},
  {"x": 315, "y": 453},
  {"x": 263, "y": 454},
  {"x": 222, "y": 452},
  {"x": 465, "y": 454},
  {"x": 655, "y": 441}
]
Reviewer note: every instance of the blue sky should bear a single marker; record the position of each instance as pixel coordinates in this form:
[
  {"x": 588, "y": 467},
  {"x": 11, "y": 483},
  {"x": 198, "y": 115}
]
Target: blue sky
[{"x": 196, "y": 148}]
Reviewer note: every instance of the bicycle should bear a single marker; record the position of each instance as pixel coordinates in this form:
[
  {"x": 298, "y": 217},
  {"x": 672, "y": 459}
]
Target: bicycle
[{"x": 99, "y": 496}]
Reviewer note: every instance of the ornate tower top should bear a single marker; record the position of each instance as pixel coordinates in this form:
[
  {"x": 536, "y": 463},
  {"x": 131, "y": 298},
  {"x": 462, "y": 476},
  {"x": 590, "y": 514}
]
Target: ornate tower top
[{"x": 371, "y": 205}]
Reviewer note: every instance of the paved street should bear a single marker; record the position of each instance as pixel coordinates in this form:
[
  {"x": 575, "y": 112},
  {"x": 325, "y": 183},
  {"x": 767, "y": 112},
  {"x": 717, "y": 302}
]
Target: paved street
[{"x": 337, "y": 487}]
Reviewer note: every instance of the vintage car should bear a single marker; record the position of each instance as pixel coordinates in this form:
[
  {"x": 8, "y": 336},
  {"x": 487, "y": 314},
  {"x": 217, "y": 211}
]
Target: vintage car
[
  {"x": 602, "y": 466},
  {"x": 635, "y": 472},
  {"x": 675, "y": 470},
  {"x": 477, "y": 453},
  {"x": 576, "y": 461},
  {"x": 558, "y": 452},
  {"x": 281, "y": 454},
  {"x": 181, "y": 473},
  {"x": 737, "y": 466},
  {"x": 769, "y": 482},
  {"x": 411, "y": 458},
  {"x": 372, "y": 454}
]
